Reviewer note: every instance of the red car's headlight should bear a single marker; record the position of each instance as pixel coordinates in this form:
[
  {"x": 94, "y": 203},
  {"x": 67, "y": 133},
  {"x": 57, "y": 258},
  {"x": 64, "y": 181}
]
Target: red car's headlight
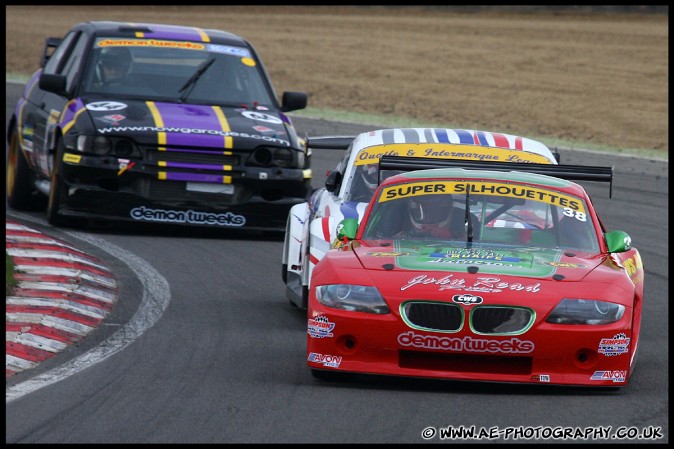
[
  {"x": 356, "y": 298},
  {"x": 585, "y": 311}
]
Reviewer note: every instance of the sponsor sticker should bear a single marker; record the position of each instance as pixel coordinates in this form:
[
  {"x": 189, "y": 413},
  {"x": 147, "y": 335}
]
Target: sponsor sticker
[
  {"x": 253, "y": 115},
  {"x": 106, "y": 106},
  {"x": 562, "y": 264},
  {"x": 72, "y": 158},
  {"x": 475, "y": 255},
  {"x": 480, "y": 188},
  {"x": 263, "y": 129},
  {"x": 150, "y": 43},
  {"x": 541, "y": 377},
  {"x": 387, "y": 254},
  {"x": 467, "y": 299},
  {"x": 332, "y": 361},
  {"x": 228, "y": 50},
  {"x": 614, "y": 375},
  {"x": 320, "y": 327},
  {"x": 124, "y": 164},
  {"x": 619, "y": 344},
  {"x": 371, "y": 155},
  {"x": 112, "y": 119},
  {"x": 482, "y": 284},
  {"x": 188, "y": 216},
  {"x": 466, "y": 344}
]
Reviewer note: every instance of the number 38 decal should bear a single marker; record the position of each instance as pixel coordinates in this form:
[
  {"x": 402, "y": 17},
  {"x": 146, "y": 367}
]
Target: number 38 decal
[{"x": 580, "y": 216}]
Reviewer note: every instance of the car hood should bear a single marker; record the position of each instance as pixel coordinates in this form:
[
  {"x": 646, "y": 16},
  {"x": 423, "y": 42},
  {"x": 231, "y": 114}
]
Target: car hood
[
  {"x": 175, "y": 124},
  {"x": 445, "y": 257}
]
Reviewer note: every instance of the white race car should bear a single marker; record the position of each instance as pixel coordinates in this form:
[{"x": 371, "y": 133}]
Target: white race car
[{"x": 311, "y": 226}]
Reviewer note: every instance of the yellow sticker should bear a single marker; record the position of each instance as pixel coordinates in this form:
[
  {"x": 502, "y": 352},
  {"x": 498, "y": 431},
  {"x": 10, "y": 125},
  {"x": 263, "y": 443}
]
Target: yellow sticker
[
  {"x": 480, "y": 188},
  {"x": 53, "y": 116},
  {"x": 371, "y": 155},
  {"x": 72, "y": 158},
  {"x": 632, "y": 265},
  {"x": 150, "y": 43},
  {"x": 248, "y": 61}
]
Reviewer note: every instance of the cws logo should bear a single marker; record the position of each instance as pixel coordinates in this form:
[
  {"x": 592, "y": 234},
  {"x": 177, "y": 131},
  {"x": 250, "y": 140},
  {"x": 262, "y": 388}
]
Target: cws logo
[
  {"x": 332, "y": 361},
  {"x": 614, "y": 375},
  {"x": 320, "y": 327},
  {"x": 467, "y": 299}
]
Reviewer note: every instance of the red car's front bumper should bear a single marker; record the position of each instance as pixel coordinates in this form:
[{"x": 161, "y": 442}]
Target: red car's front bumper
[{"x": 581, "y": 355}]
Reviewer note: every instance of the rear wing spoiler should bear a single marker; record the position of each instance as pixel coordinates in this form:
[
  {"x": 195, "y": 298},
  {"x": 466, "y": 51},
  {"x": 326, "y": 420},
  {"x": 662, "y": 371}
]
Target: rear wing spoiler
[
  {"x": 568, "y": 172},
  {"x": 343, "y": 142},
  {"x": 329, "y": 142}
]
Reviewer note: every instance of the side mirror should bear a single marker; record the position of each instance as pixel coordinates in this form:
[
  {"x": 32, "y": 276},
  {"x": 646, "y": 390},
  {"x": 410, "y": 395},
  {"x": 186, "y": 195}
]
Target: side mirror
[
  {"x": 53, "y": 83},
  {"x": 347, "y": 228},
  {"x": 333, "y": 181},
  {"x": 618, "y": 241},
  {"x": 292, "y": 101}
]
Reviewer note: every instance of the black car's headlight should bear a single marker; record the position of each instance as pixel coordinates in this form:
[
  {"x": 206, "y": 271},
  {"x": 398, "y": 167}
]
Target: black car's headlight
[
  {"x": 100, "y": 145},
  {"x": 103, "y": 145},
  {"x": 356, "y": 298},
  {"x": 585, "y": 311},
  {"x": 273, "y": 157}
]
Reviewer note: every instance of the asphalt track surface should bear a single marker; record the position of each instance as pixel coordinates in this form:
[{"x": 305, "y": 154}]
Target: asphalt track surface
[{"x": 203, "y": 347}]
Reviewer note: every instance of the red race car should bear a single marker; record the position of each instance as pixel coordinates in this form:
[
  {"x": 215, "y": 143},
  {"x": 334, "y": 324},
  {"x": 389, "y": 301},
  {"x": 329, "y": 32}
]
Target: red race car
[{"x": 490, "y": 272}]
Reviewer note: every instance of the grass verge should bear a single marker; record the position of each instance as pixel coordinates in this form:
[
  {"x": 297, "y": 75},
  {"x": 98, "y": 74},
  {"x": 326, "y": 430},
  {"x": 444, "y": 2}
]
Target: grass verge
[{"x": 10, "y": 279}]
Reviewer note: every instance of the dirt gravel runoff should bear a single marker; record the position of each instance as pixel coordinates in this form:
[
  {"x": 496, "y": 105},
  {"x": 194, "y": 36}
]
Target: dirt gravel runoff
[{"x": 570, "y": 78}]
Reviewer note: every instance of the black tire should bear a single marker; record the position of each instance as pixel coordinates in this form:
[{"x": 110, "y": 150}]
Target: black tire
[
  {"x": 57, "y": 191},
  {"x": 305, "y": 297},
  {"x": 286, "y": 239},
  {"x": 21, "y": 191}
]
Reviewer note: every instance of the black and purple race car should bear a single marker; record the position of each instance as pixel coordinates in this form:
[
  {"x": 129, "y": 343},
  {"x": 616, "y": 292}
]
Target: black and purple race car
[{"x": 156, "y": 123}]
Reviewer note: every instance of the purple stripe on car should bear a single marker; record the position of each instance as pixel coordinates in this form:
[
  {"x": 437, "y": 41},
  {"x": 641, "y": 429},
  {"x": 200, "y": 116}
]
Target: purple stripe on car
[
  {"x": 71, "y": 110},
  {"x": 173, "y": 33},
  {"x": 194, "y": 177},
  {"x": 191, "y": 125},
  {"x": 195, "y": 166}
]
